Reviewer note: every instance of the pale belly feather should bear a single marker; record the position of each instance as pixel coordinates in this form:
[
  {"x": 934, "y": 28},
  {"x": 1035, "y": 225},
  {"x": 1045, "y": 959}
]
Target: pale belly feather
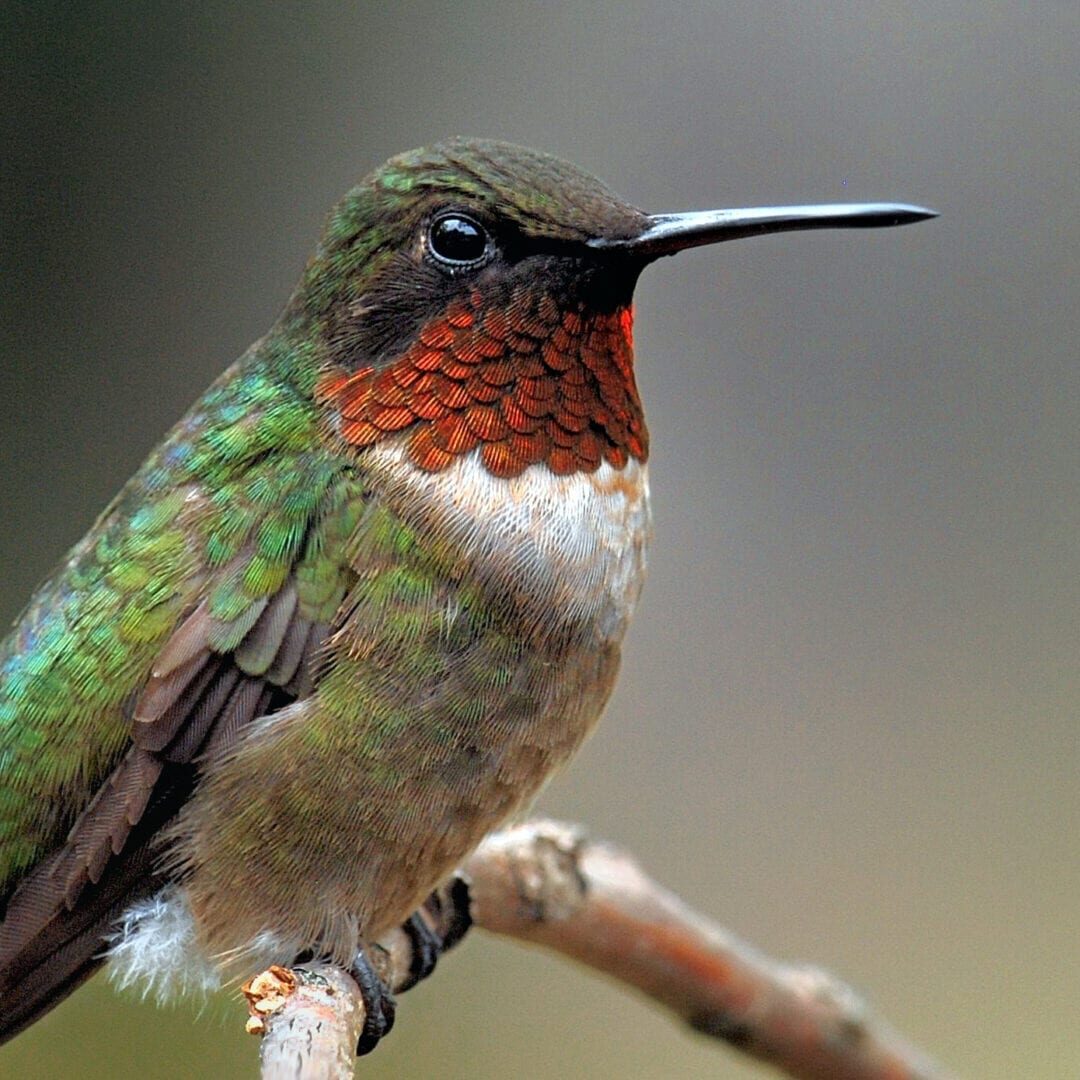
[
  {"x": 568, "y": 554},
  {"x": 573, "y": 547}
]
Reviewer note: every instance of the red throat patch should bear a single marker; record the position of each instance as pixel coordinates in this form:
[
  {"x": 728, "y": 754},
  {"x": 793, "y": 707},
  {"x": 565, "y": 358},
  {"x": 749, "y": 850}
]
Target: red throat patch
[{"x": 527, "y": 382}]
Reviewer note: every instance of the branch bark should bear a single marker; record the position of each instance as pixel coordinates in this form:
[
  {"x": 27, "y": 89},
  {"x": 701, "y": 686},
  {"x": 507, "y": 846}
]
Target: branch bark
[
  {"x": 310, "y": 1018},
  {"x": 544, "y": 882}
]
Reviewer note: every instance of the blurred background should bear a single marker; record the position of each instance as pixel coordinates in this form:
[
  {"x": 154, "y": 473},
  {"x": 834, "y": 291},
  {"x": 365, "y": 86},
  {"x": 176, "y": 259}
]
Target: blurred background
[{"x": 846, "y": 725}]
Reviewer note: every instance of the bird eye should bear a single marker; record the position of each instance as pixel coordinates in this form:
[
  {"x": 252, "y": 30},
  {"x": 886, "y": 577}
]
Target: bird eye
[{"x": 459, "y": 242}]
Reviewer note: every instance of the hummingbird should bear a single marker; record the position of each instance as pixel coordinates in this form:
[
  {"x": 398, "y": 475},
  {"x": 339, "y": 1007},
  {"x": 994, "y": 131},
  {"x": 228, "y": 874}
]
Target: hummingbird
[{"x": 363, "y": 600}]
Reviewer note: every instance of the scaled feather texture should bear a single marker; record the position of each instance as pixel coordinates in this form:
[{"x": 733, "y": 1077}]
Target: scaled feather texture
[{"x": 351, "y": 614}]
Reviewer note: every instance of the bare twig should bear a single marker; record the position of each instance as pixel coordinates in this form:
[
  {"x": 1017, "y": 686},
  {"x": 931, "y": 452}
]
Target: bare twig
[
  {"x": 543, "y": 882},
  {"x": 310, "y": 1019}
]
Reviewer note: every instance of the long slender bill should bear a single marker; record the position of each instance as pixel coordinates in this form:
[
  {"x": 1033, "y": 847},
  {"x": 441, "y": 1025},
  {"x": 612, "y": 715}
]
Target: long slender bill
[{"x": 669, "y": 233}]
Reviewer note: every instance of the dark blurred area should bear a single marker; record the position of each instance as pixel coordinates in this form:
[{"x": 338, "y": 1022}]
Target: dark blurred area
[{"x": 846, "y": 725}]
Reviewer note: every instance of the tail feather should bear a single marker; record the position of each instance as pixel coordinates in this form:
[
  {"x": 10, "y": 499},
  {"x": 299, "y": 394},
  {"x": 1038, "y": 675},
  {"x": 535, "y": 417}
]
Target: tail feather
[
  {"x": 42, "y": 988},
  {"x": 44, "y": 959},
  {"x": 69, "y": 950}
]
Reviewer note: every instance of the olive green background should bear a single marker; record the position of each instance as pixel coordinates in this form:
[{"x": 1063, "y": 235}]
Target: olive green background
[{"x": 846, "y": 725}]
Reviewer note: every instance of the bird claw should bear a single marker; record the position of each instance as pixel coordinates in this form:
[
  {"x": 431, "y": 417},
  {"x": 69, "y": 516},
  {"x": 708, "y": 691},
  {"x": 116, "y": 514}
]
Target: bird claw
[
  {"x": 380, "y": 1007},
  {"x": 427, "y": 947},
  {"x": 431, "y": 931},
  {"x": 454, "y": 916},
  {"x": 435, "y": 929}
]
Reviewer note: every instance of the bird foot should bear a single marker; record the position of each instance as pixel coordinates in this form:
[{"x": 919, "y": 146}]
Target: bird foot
[
  {"x": 450, "y": 909},
  {"x": 380, "y": 1008},
  {"x": 437, "y": 927},
  {"x": 427, "y": 947}
]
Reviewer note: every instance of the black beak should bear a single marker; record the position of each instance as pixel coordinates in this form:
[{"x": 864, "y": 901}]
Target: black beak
[{"x": 669, "y": 233}]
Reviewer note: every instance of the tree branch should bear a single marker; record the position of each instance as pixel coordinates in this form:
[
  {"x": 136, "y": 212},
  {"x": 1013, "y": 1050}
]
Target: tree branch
[
  {"x": 543, "y": 882},
  {"x": 310, "y": 1018}
]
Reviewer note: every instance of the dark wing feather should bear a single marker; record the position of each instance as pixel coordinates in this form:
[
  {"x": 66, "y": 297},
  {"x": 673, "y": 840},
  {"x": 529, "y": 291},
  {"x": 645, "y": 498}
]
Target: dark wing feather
[
  {"x": 195, "y": 703},
  {"x": 49, "y": 952},
  {"x": 57, "y": 919}
]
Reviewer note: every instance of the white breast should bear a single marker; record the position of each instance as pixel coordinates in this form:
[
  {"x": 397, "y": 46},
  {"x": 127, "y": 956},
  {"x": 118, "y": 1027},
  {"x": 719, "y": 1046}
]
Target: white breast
[{"x": 572, "y": 548}]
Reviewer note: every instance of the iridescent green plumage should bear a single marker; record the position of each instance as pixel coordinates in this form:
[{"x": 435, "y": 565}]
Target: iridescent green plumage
[
  {"x": 296, "y": 671},
  {"x": 257, "y": 566},
  {"x": 224, "y": 505}
]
